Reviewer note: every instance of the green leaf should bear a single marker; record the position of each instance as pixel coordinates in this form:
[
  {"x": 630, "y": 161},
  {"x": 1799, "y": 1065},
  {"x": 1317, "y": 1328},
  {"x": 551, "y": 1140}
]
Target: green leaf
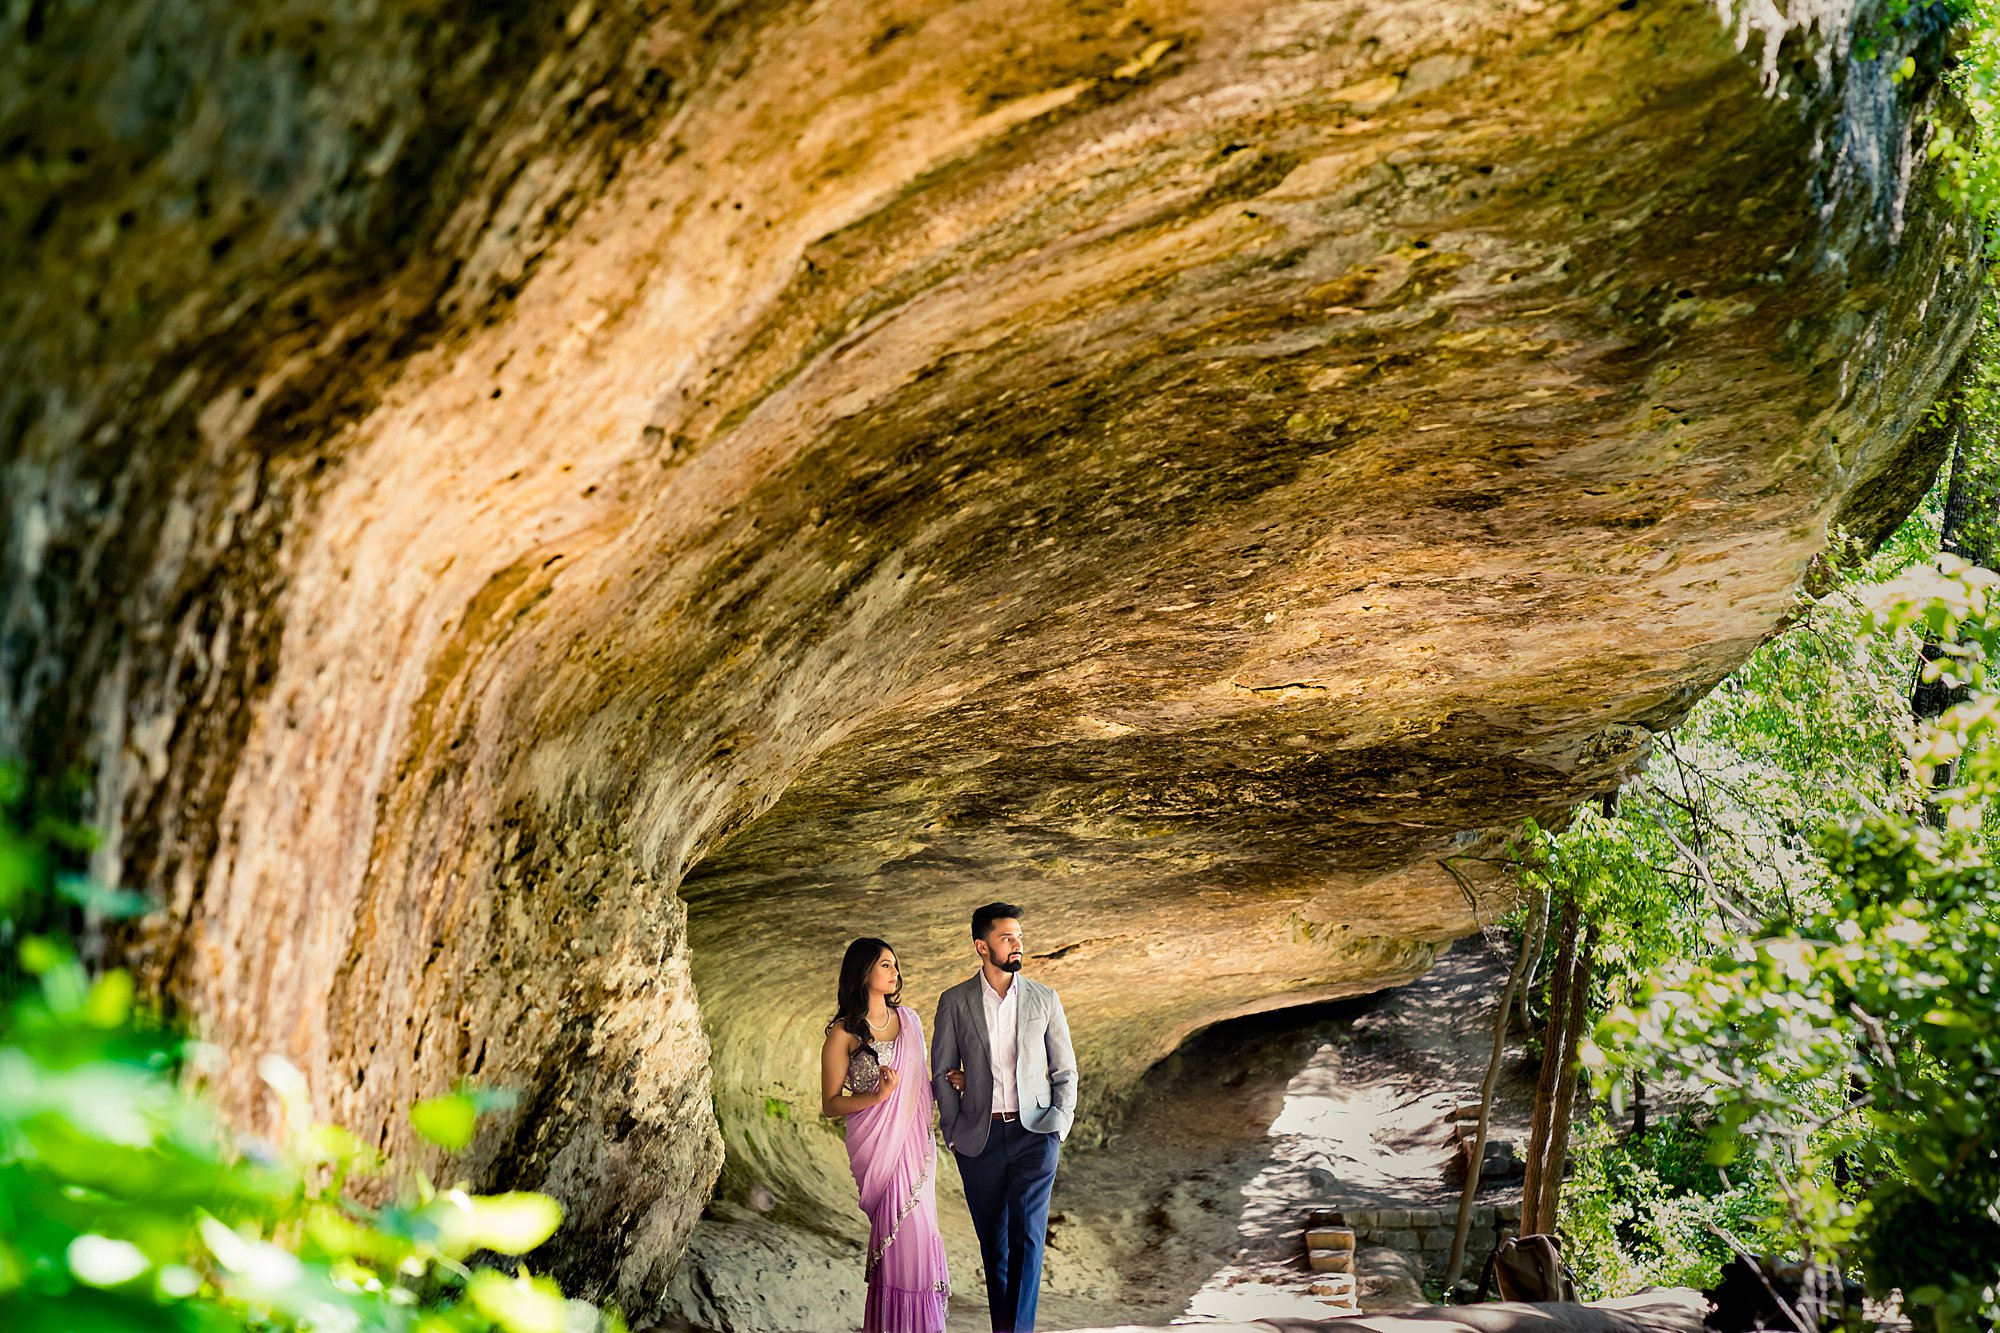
[
  {"x": 41, "y": 955},
  {"x": 332, "y": 1144},
  {"x": 105, "y": 901},
  {"x": 110, "y": 1002},
  {"x": 20, "y": 868},
  {"x": 533, "y": 1305},
  {"x": 513, "y": 1223},
  {"x": 447, "y": 1121}
]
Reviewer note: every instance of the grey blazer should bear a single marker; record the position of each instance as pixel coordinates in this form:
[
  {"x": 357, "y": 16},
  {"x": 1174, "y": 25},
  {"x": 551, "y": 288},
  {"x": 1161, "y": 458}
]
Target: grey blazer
[{"x": 1044, "y": 1064}]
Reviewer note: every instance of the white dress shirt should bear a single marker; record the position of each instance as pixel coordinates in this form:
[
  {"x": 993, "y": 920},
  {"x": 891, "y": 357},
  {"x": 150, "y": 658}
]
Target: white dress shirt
[{"x": 1004, "y": 1038}]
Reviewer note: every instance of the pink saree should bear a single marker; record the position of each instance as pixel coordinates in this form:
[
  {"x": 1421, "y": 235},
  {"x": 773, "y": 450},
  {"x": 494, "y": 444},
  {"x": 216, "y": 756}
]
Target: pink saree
[{"x": 890, "y": 1148}]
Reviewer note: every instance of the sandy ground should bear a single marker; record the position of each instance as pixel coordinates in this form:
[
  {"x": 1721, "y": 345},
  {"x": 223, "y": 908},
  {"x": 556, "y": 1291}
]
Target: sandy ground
[{"x": 1194, "y": 1209}]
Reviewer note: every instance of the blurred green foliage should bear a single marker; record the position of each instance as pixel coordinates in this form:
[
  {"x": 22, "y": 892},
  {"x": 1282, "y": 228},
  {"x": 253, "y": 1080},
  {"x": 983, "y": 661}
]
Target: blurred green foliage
[{"x": 126, "y": 1205}]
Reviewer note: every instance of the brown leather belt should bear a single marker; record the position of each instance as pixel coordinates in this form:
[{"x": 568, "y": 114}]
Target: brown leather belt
[{"x": 1006, "y": 1117}]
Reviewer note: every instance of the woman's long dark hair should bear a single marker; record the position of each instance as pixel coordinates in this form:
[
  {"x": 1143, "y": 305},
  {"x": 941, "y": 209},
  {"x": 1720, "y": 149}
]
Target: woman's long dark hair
[{"x": 851, "y": 1011}]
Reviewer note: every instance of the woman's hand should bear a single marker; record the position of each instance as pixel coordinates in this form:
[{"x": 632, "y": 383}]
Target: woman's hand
[
  {"x": 955, "y": 1077},
  {"x": 888, "y": 1085}
]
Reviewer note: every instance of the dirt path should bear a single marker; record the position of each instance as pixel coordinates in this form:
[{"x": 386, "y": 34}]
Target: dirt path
[{"x": 1194, "y": 1209}]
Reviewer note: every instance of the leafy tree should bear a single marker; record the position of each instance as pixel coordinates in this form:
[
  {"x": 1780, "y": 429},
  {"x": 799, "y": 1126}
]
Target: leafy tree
[
  {"x": 1649, "y": 1209},
  {"x": 1850, "y": 1049},
  {"x": 1718, "y": 838}
]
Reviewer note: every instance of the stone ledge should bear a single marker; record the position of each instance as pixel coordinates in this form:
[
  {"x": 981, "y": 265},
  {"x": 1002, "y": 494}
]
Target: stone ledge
[{"x": 1424, "y": 1234}]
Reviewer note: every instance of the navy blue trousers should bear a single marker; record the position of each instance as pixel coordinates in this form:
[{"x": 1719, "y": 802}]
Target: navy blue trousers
[{"x": 1007, "y": 1188}]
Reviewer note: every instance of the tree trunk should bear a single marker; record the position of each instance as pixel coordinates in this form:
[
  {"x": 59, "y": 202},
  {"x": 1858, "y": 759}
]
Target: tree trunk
[
  {"x": 1532, "y": 944},
  {"x": 1557, "y": 1152},
  {"x": 1537, "y": 919},
  {"x": 1545, "y": 1082},
  {"x": 1970, "y": 531},
  {"x": 1929, "y": 698}
]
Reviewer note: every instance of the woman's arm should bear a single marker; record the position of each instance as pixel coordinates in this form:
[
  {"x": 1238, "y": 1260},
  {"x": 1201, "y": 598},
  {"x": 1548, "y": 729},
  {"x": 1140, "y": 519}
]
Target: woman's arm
[
  {"x": 833, "y": 1057},
  {"x": 944, "y": 1059}
]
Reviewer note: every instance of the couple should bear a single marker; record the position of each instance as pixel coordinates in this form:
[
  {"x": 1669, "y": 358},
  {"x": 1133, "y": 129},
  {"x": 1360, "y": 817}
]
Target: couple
[{"x": 1003, "y": 1076}]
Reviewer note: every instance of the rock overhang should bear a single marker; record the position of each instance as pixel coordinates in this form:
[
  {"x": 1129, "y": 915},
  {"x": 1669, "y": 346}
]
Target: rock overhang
[{"x": 1195, "y": 469}]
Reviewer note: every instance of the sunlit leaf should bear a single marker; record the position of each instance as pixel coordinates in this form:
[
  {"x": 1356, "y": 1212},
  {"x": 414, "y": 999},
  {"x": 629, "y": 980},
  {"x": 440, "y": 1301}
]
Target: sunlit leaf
[
  {"x": 513, "y": 1223},
  {"x": 110, "y": 1002},
  {"x": 519, "y": 1306},
  {"x": 283, "y": 1077},
  {"x": 332, "y": 1144},
  {"x": 102, "y": 1261},
  {"x": 447, "y": 1121},
  {"x": 40, "y": 955}
]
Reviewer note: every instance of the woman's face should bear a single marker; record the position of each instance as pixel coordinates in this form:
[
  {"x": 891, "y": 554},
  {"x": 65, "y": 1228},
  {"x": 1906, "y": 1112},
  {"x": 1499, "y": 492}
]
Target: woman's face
[{"x": 885, "y": 978}]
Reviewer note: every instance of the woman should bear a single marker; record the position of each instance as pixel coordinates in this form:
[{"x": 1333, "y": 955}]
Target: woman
[{"x": 874, "y": 1073}]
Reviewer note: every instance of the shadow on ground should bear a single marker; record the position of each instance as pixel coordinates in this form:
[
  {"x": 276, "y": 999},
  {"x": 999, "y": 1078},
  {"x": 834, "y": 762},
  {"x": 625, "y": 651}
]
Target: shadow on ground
[{"x": 1196, "y": 1205}]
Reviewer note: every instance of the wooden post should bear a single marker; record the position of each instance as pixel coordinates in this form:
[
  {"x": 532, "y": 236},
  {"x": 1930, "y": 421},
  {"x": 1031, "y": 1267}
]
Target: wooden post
[{"x": 1537, "y": 919}]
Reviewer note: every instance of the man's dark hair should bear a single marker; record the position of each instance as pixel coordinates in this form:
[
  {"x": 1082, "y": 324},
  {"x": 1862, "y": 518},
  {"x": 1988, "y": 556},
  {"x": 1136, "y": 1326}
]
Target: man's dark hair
[{"x": 984, "y": 917}]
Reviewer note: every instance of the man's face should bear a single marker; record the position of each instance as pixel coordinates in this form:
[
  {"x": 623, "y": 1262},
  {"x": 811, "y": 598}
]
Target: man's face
[{"x": 1002, "y": 945}]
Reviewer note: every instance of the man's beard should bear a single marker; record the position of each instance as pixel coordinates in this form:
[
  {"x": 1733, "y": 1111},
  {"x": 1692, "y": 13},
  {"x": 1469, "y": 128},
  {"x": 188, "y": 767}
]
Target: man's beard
[{"x": 1011, "y": 965}]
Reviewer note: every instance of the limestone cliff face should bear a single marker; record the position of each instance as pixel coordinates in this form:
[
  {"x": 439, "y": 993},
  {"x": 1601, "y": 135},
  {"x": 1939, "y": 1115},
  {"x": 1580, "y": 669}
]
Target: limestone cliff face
[{"x": 531, "y": 514}]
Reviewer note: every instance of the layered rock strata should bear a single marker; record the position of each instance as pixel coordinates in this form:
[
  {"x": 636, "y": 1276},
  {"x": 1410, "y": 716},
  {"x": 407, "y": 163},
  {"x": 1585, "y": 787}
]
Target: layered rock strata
[{"x": 530, "y": 515}]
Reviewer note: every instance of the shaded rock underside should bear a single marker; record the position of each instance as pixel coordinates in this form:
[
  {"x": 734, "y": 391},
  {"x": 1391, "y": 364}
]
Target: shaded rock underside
[{"x": 532, "y": 517}]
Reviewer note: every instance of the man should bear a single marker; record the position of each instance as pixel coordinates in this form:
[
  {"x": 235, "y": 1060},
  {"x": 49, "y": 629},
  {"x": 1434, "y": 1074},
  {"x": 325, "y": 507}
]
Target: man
[{"x": 1005, "y": 1077}]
